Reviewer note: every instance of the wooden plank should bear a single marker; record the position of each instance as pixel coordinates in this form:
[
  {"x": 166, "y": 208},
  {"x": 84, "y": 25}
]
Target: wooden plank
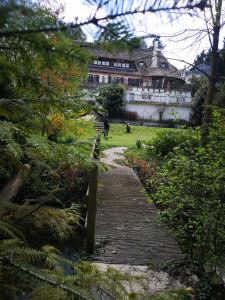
[
  {"x": 127, "y": 224},
  {"x": 91, "y": 210}
]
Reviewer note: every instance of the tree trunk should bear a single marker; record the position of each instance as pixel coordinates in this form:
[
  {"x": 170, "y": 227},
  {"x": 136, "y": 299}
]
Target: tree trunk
[
  {"x": 13, "y": 186},
  {"x": 212, "y": 81}
]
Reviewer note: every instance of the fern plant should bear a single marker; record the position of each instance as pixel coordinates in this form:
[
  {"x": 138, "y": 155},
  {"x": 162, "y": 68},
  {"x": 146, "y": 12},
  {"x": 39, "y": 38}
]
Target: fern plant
[{"x": 40, "y": 274}]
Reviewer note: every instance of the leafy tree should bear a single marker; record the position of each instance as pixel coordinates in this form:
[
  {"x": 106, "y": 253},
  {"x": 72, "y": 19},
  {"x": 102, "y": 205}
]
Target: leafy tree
[
  {"x": 111, "y": 98},
  {"x": 216, "y": 17},
  {"x": 205, "y": 58},
  {"x": 202, "y": 58},
  {"x": 138, "y": 43},
  {"x": 41, "y": 74},
  {"x": 220, "y": 95},
  {"x": 199, "y": 95}
]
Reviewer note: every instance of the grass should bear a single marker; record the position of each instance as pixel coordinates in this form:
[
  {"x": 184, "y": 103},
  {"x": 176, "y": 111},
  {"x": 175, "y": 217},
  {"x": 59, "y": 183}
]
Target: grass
[
  {"x": 88, "y": 132},
  {"x": 118, "y": 136}
]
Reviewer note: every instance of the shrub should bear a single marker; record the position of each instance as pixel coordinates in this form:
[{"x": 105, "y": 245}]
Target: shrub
[
  {"x": 131, "y": 115},
  {"x": 111, "y": 99},
  {"x": 138, "y": 144},
  {"x": 189, "y": 187},
  {"x": 167, "y": 141},
  {"x": 144, "y": 169}
]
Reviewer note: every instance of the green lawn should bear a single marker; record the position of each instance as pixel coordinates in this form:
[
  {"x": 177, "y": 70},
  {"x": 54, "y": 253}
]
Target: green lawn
[{"x": 118, "y": 136}]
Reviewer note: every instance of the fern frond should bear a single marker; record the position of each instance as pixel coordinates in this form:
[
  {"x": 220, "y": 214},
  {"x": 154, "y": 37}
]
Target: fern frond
[
  {"x": 25, "y": 254},
  {"x": 76, "y": 293},
  {"x": 110, "y": 282},
  {"x": 7, "y": 231},
  {"x": 9, "y": 244},
  {"x": 8, "y": 131},
  {"x": 47, "y": 292}
]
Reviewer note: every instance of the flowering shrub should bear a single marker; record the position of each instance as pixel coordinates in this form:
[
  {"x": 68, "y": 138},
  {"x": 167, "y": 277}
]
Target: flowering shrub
[{"x": 144, "y": 169}]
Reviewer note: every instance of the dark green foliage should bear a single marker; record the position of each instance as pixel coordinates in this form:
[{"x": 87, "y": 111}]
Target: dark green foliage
[
  {"x": 43, "y": 274},
  {"x": 111, "y": 99},
  {"x": 220, "y": 94},
  {"x": 138, "y": 143},
  {"x": 202, "y": 58},
  {"x": 205, "y": 58},
  {"x": 138, "y": 43},
  {"x": 200, "y": 89},
  {"x": 117, "y": 37},
  {"x": 39, "y": 85},
  {"x": 189, "y": 187},
  {"x": 166, "y": 142}
]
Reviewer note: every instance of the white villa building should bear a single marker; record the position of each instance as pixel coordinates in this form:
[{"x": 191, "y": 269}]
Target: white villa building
[{"x": 154, "y": 88}]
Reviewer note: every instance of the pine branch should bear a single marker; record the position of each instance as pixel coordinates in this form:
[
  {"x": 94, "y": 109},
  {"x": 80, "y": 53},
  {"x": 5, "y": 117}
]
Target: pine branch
[
  {"x": 95, "y": 21},
  {"x": 78, "y": 295}
]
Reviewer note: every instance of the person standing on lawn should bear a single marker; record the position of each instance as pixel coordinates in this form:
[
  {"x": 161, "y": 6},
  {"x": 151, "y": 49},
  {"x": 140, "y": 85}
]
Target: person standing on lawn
[{"x": 106, "y": 128}]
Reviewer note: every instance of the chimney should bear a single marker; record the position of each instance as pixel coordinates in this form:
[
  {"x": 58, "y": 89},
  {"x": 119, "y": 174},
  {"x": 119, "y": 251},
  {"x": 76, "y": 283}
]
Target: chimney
[
  {"x": 156, "y": 45},
  {"x": 154, "y": 63}
]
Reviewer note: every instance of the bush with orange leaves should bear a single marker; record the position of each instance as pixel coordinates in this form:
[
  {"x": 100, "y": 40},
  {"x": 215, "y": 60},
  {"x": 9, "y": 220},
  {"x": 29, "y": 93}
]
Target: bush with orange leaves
[
  {"x": 144, "y": 169},
  {"x": 55, "y": 127}
]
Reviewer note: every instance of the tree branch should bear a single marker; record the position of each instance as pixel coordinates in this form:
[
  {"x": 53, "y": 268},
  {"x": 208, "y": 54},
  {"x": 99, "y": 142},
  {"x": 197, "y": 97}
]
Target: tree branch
[{"x": 200, "y": 5}]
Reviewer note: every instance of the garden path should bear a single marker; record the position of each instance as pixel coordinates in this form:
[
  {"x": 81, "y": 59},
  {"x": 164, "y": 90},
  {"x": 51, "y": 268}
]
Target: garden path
[{"x": 126, "y": 222}]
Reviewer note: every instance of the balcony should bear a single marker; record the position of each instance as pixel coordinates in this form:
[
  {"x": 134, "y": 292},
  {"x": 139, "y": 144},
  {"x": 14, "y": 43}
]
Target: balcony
[{"x": 163, "y": 99}]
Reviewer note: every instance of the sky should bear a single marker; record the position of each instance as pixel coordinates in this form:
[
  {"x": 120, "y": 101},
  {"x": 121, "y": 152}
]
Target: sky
[{"x": 178, "y": 48}]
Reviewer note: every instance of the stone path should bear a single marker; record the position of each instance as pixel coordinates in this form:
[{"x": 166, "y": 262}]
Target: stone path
[
  {"x": 112, "y": 154},
  {"x": 126, "y": 222}
]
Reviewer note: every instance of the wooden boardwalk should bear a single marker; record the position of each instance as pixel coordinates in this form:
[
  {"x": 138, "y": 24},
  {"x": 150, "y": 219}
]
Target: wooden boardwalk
[{"x": 126, "y": 224}]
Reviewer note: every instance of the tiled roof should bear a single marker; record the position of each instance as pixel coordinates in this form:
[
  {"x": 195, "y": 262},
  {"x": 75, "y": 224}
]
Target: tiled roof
[{"x": 136, "y": 56}]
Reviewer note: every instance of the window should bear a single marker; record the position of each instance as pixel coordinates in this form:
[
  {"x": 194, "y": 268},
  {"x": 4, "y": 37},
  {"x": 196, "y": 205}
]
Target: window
[
  {"x": 135, "y": 82},
  {"x": 105, "y": 63},
  {"x": 121, "y": 65},
  {"x": 157, "y": 83},
  {"x": 131, "y": 97},
  {"x": 164, "y": 65},
  {"x": 95, "y": 62},
  {"x": 146, "y": 97},
  {"x": 99, "y": 62},
  {"x": 117, "y": 80},
  {"x": 90, "y": 78},
  {"x": 93, "y": 78}
]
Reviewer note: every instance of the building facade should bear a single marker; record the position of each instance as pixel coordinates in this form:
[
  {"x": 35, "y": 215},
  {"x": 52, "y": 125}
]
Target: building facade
[{"x": 154, "y": 88}]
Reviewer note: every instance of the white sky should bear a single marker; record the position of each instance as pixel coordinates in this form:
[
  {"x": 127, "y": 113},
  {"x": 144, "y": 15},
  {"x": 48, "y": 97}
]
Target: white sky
[{"x": 155, "y": 24}]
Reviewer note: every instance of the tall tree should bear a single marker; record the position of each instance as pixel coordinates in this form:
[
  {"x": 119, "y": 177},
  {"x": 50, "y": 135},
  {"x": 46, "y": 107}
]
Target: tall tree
[{"x": 215, "y": 11}]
